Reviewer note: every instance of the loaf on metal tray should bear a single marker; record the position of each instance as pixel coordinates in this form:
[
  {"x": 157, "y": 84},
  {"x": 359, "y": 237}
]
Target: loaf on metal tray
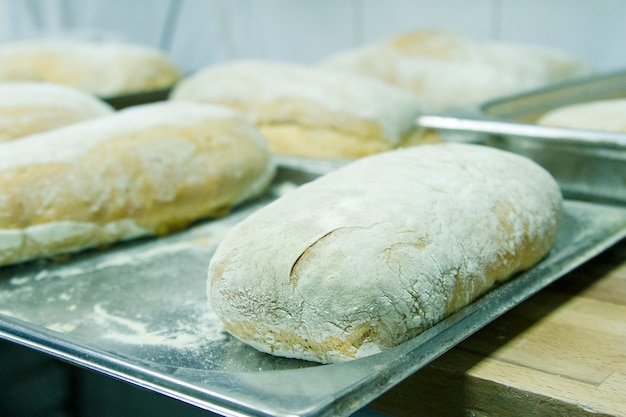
[
  {"x": 606, "y": 115},
  {"x": 310, "y": 112},
  {"x": 100, "y": 68},
  {"x": 146, "y": 170},
  {"x": 32, "y": 107},
  {"x": 371, "y": 255},
  {"x": 447, "y": 70}
]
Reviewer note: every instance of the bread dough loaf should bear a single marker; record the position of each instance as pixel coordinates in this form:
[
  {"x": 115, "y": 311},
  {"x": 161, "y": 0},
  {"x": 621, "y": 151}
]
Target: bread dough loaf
[
  {"x": 308, "y": 112},
  {"x": 447, "y": 70},
  {"x": 369, "y": 256},
  {"x": 104, "y": 69},
  {"x": 27, "y": 108},
  {"x": 607, "y": 115},
  {"x": 146, "y": 170}
]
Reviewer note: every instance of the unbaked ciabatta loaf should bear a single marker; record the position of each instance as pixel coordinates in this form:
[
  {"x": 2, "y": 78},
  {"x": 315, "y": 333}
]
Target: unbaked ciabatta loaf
[
  {"x": 369, "y": 256},
  {"x": 146, "y": 170},
  {"x": 28, "y": 107},
  {"x": 447, "y": 70},
  {"x": 607, "y": 115},
  {"x": 101, "y": 68},
  {"x": 310, "y": 112}
]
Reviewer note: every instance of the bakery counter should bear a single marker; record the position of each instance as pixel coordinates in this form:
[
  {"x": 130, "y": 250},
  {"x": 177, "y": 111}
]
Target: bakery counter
[{"x": 561, "y": 352}]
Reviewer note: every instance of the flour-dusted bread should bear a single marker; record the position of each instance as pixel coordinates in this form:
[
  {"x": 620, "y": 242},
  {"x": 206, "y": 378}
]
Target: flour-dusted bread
[
  {"x": 101, "y": 68},
  {"x": 607, "y": 115},
  {"x": 369, "y": 256},
  {"x": 310, "y": 112},
  {"x": 28, "y": 107},
  {"x": 142, "y": 171},
  {"x": 448, "y": 70}
]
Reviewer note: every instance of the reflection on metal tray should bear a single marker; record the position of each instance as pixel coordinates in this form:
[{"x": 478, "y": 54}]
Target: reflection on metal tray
[
  {"x": 313, "y": 165},
  {"x": 588, "y": 164},
  {"x": 139, "y": 312}
]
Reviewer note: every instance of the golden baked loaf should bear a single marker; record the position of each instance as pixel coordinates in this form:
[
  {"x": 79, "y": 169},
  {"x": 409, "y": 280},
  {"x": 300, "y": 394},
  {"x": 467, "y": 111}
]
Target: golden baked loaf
[
  {"x": 310, "y": 112},
  {"x": 104, "y": 69},
  {"x": 369, "y": 256},
  {"x": 606, "y": 115},
  {"x": 29, "y": 107},
  {"x": 448, "y": 70},
  {"x": 147, "y": 170}
]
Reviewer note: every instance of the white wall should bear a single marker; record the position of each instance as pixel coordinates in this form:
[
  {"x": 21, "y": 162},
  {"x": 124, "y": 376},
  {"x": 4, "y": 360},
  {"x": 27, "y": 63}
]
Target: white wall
[{"x": 200, "y": 32}]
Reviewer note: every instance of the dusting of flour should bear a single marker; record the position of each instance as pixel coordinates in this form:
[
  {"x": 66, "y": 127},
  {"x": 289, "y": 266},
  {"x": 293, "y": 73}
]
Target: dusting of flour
[{"x": 186, "y": 334}]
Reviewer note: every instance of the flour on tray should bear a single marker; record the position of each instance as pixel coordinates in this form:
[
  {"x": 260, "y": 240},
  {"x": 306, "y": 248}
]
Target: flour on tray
[{"x": 193, "y": 333}]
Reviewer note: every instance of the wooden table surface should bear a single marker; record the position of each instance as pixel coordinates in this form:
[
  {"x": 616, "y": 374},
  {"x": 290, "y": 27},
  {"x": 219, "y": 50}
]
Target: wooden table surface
[{"x": 560, "y": 353}]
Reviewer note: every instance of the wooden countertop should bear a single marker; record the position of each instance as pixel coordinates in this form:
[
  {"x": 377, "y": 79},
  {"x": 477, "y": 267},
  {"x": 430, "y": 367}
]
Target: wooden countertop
[{"x": 560, "y": 353}]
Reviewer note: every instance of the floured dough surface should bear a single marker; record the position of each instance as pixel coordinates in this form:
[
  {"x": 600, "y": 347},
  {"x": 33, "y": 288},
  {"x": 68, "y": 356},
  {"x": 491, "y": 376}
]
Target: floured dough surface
[
  {"x": 371, "y": 255},
  {"x": 608, "y": 115},
  {"x": 104, "y": 69},
  {"x": 32, "y": 107},
  {"x": 447, "y": 70},
  {"x": 146, "y": 170},
  {"x": 307, "y": 111}
]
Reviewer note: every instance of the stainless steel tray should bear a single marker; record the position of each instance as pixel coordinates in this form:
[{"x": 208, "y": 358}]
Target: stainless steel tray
[
  {"x": 316, "y": 166},
  {"x": 134, "y": 99},
  {"x": 138, "y": 312},
  {"x": 589, "y": 165}
]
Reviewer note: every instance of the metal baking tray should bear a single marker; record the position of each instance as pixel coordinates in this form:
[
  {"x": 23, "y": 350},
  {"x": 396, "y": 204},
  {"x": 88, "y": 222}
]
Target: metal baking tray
[
  {"x": 589, "y": 165},
  {"x": 138, "y": 312},
  {"x": 316, "y": 166},
  {"x": 133, "y": 99}
]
